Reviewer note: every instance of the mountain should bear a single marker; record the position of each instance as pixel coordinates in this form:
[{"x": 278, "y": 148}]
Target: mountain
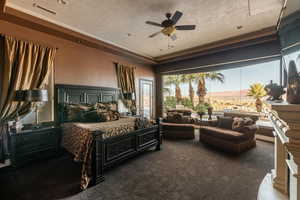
[{"x": 236, "y": 93}]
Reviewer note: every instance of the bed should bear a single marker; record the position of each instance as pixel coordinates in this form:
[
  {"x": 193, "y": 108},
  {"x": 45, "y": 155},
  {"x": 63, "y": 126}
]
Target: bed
[{"x": 100, "y": 145}]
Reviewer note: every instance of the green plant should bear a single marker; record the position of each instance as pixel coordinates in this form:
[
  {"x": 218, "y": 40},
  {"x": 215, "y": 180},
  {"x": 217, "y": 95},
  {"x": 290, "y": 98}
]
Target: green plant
[
  {"x": 201, "y": 108},
  {"x": 257, "y": 90},
  {"x": 187, "y": 103},
  {"x": 170, "y": 102}
]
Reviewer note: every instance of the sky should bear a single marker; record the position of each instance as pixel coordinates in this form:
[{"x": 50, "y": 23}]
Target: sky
[{"x": 241, "y": 78}]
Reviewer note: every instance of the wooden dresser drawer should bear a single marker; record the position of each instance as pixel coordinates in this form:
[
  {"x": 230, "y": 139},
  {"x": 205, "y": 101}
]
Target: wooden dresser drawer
[{"x": 35, "y": 144}]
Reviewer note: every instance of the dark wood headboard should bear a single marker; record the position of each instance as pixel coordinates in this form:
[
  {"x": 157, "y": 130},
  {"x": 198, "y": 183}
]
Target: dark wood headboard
[{"x": 80, "y": 94}]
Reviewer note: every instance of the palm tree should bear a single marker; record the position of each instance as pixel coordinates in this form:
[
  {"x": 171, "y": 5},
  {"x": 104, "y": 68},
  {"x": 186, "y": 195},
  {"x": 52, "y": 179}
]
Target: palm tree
[
  {"x": 257, "y": 90},
  {"x": 175, "y": 80},
  {"x": 202, "y": 77},
  {"x": 190, "y": 78}
]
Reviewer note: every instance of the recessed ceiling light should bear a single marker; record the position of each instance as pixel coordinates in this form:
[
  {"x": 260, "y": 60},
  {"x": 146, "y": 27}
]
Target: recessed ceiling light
[{"x": 239, "y": 27}]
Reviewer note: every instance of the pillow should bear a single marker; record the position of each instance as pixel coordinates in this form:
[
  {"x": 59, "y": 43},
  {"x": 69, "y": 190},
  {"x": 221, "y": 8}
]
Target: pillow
[
  {"x": 101, "y": 107},
  {"x": 92, "y": 116},
  {"x": 142, "y": 122},
  {"x": 183, "y": 112},
  {"x": 112, "y": 106},
  {"x": 174, "y": 118},
  {"x": 114, "y": 115},
  {"x": 225, "y": 122},
  {"x": 238, "y": 123},
  {"x": 248, "y": 121},
  {"x": 75, "y": 111}
]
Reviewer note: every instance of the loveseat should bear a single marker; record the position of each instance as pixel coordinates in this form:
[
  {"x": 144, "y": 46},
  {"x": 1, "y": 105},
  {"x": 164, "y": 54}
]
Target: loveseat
[
  {"x": 230, "y": 134},
  {"x": 178, "y": 124}
]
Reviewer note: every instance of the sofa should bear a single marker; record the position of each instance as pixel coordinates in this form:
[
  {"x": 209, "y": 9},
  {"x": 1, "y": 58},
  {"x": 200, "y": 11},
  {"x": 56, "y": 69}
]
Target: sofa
[
  {"x": 178, "y": 124},
  {"x": 230, "y": 134}
]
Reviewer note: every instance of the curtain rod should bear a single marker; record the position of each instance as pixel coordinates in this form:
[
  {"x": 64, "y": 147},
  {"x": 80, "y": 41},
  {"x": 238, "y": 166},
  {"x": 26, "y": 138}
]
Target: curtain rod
[{"x": 28, "y": 41}]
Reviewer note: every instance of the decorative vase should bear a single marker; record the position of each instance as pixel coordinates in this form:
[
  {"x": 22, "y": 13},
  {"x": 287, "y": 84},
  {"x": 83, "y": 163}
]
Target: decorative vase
[
  {"x": 293, "y": 89},
  {"x": 274, "y": 91},
  {"x": 209, "y": 112}
]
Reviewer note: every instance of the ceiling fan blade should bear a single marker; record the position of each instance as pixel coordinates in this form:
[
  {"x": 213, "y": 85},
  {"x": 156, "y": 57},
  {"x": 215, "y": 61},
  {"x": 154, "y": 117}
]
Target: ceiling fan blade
[
  {"x": 176, "y": 16},
  {"x": 173, "y": 37},
  {"x": 186, "y": 27},
  {"x": 154, "y": 23},
  {"x": 154, "y": 34}
]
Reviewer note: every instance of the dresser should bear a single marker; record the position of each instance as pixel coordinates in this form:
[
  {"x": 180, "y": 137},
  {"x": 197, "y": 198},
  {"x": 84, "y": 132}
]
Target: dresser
[{"x": 34, "y": 144}]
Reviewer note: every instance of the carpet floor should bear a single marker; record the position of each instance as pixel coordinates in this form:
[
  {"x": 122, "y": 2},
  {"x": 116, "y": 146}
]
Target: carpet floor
[{"x": 185, "y": 170}]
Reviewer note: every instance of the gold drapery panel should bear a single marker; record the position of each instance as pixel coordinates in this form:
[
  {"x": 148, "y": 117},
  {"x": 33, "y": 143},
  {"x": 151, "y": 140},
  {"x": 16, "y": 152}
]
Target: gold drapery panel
[
  {"x": 126, "y": 81},
  {"x": 24, "y": 65}
]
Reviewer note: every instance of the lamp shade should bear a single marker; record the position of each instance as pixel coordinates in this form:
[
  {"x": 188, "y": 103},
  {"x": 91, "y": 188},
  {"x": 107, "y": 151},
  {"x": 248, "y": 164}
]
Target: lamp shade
[
  {"x": 20, "y": 95},
  {"x": 36, "y": 95}
]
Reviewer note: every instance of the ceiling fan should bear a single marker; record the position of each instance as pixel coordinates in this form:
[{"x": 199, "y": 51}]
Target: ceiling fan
[{"x": 169, "y": 25}]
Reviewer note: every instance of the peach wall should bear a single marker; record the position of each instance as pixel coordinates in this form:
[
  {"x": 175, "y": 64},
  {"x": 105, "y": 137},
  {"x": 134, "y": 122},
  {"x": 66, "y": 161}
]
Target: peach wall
[
  {"x": 75, "y": 63},
  {"x": 78, "y": 64}
]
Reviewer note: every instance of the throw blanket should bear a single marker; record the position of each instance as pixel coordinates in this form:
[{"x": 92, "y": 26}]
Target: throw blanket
[{"x": 78, "y": 140}]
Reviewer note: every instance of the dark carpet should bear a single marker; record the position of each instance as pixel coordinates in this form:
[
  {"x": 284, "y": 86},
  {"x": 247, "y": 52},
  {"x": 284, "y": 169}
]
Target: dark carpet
[{"x": 184, "y": 170}]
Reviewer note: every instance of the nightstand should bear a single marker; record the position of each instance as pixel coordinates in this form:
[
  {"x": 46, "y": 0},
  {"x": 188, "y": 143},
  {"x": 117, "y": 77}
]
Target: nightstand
[{"x": 34, "y": 144}]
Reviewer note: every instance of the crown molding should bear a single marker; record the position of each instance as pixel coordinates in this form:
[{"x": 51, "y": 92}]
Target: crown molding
[
  {"x": 203, "y": 49},
  {"x": 15, "y": 16},
  {"x": 23, "y": 19}
]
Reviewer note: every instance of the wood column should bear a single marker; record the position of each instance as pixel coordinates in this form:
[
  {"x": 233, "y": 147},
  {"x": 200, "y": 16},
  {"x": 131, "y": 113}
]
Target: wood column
[{"x": 159, "y": 95}]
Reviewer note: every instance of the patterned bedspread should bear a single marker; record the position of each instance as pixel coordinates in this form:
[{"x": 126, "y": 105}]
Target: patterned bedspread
[{"x": 77, "y": 139}]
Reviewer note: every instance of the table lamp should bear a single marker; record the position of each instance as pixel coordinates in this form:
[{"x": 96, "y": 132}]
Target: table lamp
[{"x": 37, "y": 97}]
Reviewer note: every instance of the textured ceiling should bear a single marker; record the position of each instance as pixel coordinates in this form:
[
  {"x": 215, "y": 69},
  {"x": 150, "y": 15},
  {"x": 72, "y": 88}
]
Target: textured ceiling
[
  {"x": 122, "y": 22},
  {"x": 291, "y": 7}
]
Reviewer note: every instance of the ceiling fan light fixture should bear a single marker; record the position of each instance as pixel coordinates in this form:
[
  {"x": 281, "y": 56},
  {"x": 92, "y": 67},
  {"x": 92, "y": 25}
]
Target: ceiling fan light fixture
[{"x": 168, "y": 31}]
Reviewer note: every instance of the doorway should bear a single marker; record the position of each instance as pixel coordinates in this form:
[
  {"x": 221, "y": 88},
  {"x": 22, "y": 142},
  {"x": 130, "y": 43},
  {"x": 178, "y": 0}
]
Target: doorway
[{"x": 146, "y": 98}]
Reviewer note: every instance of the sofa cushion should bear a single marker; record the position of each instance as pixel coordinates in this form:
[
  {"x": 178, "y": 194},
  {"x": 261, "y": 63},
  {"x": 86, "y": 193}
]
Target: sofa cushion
[
  {"x": 225, "y": 122},
  {"x": 225, "y": 134},
  {"x": 239, "y": 123},
  {"x": 181, "y": 111}
]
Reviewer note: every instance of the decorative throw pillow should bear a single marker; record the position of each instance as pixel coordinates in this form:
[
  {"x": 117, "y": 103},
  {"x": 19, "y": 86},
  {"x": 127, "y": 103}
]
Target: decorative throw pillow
[
  {"x": 248, "y": 121},
  {"x": 142, "y": 122},
  {"x": 174, "y": 118},
  {"x": 225, "y": 122},
  {"x": 100, "y": 107},
  {"x": 104, "y": 116},
  {"x": 91, "y": 116},
  {"x": 238, "y": 124},
  {"x": 75, "y": 111},
  {"x": 114, "y": 115},
  {"x": 112, "y": 106}
]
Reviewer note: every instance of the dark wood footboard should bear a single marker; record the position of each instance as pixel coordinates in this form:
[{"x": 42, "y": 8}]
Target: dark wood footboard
[{"x": 109, "y": 152}]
